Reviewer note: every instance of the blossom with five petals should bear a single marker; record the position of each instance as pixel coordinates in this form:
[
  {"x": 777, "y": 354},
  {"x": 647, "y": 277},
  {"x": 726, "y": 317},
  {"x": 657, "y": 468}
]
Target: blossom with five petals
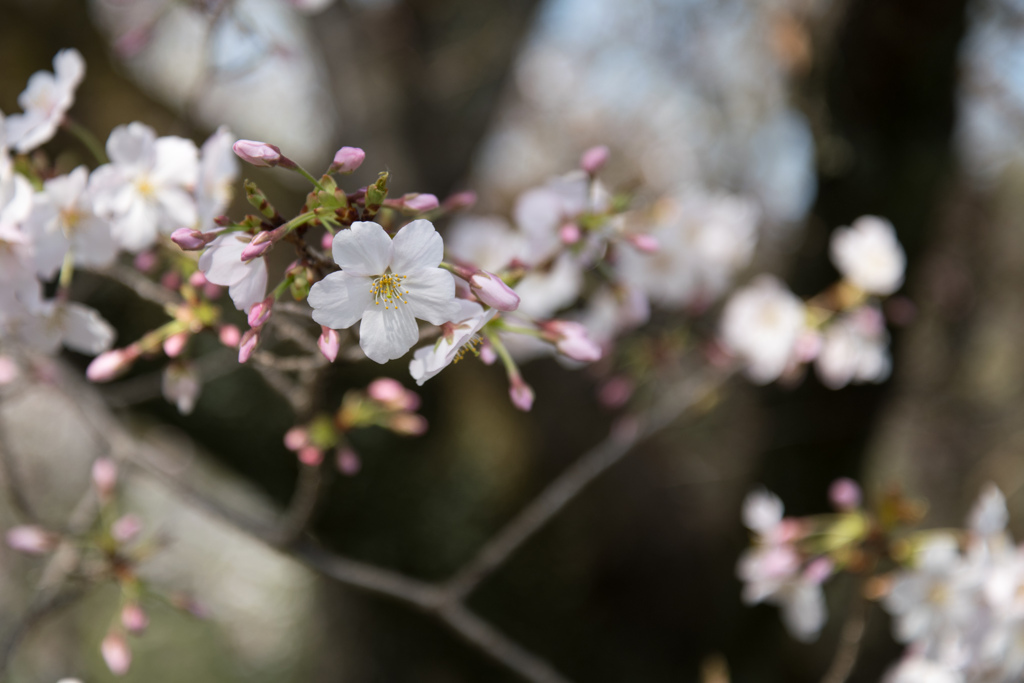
[
  {"x": 387, "y": 283},
  {"x": 45, "y": 100}
]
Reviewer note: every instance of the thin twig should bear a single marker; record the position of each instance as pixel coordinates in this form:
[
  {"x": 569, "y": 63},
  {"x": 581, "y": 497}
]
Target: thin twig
[
  {"x": 304, "y": 504},
  {"x": 142, "y": 285},
  {"x": 568, "y": 485},
  {"x": 43, "y": 606},
  {"x": 850, "y": 639}
]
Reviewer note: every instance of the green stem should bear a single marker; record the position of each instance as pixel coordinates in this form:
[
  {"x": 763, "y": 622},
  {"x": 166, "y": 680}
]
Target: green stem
[
  {"x": 506, "y": 358},
  {"x": 303, "y": 172},
  {"x": 87, "y": 138},
  {"x": 67, "y": 271}
]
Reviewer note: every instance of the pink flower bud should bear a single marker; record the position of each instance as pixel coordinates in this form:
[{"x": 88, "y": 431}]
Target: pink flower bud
[
  {"x": 520, "y": 393},
  {"x": 616, "y": 392},
  {"x": 256, "y": 249},
  {"x": 845, "y": 494},
  {"x": 190, "y": 239},
  {"x": 248, "y": 344},
  {"x": 569, "y": 233},
  {"x": 347, "y": 461},
  {"x": 295, "y": 438},
  {"x": 488, "y": 356},
  {"x": 8, "y": 370},
  {"x": 460, "y": 200},
  {"x": 327, "y": 242},
  {"x": 329, "y": 343},
  {"x": 104, "y": 477},
  {"x": 175, "y": 344},
  {"x": 310, "y": 455},
  {"x": 420, "y": 202},
  {"x": 594, "y": 158},
  {"x": 818, "y": 570},
  {"x": 212, "y": 291},
  {"x": 229, "y": 336},
  {"x": 125, "y": 528},
  {"x": 258, "y": 153},
  {"x": 347, "y": 159},
  {"x": 197, "y": 279},
  {"x": 133, "y": 618},
  {"x": 408, "y": 424},
  {"x": 259, "y": 312},
  {"x": 145, "y": 261},
  {"x": 170, "y": 280},
  {"x": 492, "y": 290},
  {"x": 110, "y": 364},
  {"x": 572, "y": 340},
  {"x": 116, "y": 653},
  {"x": 31, "y": 539},
  {"x": 648, "y": 244},
  {"x": 392, "y": 394}
]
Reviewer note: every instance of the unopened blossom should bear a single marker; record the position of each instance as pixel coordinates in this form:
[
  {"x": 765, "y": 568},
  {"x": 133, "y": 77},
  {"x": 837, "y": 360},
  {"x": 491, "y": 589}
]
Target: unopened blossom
[
  {"x": 845, "y": 494},
  {"x": 110, "y": 364},
  {"x": 387, "y": 283},
  {"x": 62, "y": 220},
  {"x": 347, "y": 160},
  {"x": 222, "y": 264},
  {"x": 572, "y": 340},
  {"x": 695, "y": 245},
  {"x": 329, "y": 343},
  {"x": 133, "y": 618},
  {"x": 392, "y": 394},
  {"x": 125, "y": 528},
  {"x": 761, "y": 324},
  {"x": 215, "y": 183},
  {"x": 854, "y": 348},
  {"x": 594, "y": 158},
  {"x": 146, "y": 189},
  {"x": 104, "y": 477},
  {"x": 259, "y": 153},
  {"x": 45, "y": 102},
  {"x": 31, "y": 539},
  {"x": 492, "y": 291},
  {"x": 466, "y": 324},
  {"x": 868, "y": 254},
  {"x": 116, "y": 653},
  {"x": 520, "y": 392}
]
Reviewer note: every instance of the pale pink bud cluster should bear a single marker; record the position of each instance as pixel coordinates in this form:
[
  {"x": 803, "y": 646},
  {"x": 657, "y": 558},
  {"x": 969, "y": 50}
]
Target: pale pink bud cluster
[
  {"x": 126, "y": 528},
  {"x": 460, "y": 200},
  {"x": 391, "y": 394},
  {"x": 347, "y": 159},
  {"x": 297, "y": 440}
]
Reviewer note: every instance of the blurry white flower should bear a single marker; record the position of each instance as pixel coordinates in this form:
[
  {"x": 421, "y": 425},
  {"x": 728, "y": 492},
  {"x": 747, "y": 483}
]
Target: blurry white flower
[
  {"x": 855, "y": 348},
  {"x": 917, "y": 669},
  {"x": 704, "y": 240},
  {"x": 762, "y": 324},
  {"x": 541, "y": 211},
  {"x": 45, "y": 101},
  {"x": 762, "y": 511},
  {"x": 989, "y": 515},
  {"x": 147, "y": 187},
  {"x": 48, "y": 324},
  {"x": 222, "y": 264},
  {"x": 63, "y": 219},
  {"x": 487, "y": 242},
  {"x": 180, "y": 385},
  {"x": 218, "y": 170},
  {"x": 462, "y": 330},
  {"x": 868, "y": 254},
  {"x": 387, "y": 284},
  {"x": 542, "y": 293}
]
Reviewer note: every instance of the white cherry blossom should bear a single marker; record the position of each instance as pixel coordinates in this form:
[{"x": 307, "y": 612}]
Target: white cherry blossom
[
  {"x": 51, "y": 323},
  {"x": 63, "y": 219},
  {"x": 762, "y": 324},
  {"x": 222, "y": 264},
  {"x": 45, "y": 101},
  {"x": 703, "y": 238},
  {"x": 868, "y": 254},
  {"x": 855, "y": 348},
  {"x": 388, "y": 284},
  {"x": 218, "y": 170},
  {"x": 147, "y": 188},
  {"x": 450, "y": 347}
]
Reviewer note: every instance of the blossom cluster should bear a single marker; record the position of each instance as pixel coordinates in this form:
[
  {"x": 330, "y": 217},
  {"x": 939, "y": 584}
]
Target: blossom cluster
[{"x": 954, "y": 595}]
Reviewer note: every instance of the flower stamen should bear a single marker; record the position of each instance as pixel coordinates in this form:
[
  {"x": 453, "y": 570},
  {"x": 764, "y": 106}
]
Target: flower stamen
[{"x": 388, "y": 288}]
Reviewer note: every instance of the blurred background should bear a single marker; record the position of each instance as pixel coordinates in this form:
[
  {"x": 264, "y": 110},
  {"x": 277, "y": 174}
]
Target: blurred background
[{"x": 820, "y": 110}]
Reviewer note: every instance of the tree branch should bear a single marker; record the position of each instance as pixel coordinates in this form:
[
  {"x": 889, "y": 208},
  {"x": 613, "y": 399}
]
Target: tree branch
[{"x": 850, "y": 639}]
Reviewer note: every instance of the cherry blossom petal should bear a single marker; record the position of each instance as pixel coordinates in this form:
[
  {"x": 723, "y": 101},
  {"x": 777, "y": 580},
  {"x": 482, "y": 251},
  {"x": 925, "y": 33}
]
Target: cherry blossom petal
[
  {"x": 416, "y": 246},
  {"x": 363, "y": 249},
  {"x": 430, "y": 293},
  {"x": 221, "y": 263},
  {"x": 340, "y": 300},
  {"x": 132, "y": 145},
  {"x": 85, "y": 330},
  {"x": 179, "y": 209},
  {"x": 177, "y": 161},
  {"x": 387, "y": 334},
  {"x": 252, "y": 287},
  {"x": 137, "y": 228}
]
